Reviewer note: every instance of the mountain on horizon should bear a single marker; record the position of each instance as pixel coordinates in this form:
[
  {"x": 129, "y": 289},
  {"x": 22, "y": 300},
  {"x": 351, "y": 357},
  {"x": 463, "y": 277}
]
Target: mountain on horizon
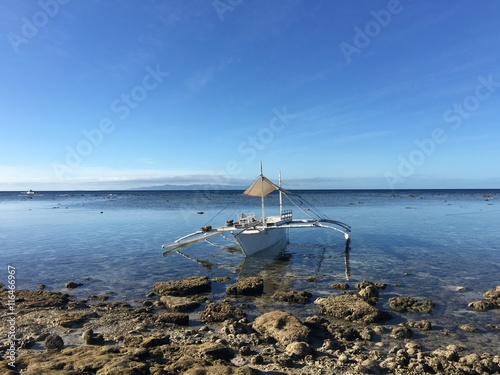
[{"x": 199, "y": 187}]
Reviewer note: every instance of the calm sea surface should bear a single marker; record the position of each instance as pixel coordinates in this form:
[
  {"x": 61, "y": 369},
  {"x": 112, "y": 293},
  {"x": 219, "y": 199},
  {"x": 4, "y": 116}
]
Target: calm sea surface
[{"x": 423, "y": 244}]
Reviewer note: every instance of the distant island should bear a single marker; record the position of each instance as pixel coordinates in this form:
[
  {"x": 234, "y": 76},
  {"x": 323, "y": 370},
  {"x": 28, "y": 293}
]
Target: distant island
[{"x": 199, "y": 187}]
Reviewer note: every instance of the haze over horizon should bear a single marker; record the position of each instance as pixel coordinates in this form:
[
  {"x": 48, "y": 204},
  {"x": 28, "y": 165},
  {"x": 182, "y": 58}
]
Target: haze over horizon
[{"x": 116, "y": 95}]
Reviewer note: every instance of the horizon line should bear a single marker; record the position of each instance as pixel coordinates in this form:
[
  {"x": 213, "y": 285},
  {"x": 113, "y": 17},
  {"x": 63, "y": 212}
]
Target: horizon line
[{"x": 144, "y": 189}]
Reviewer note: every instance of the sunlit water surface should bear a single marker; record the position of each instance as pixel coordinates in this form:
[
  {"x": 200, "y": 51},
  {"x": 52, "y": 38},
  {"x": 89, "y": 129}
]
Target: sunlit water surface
[{"x": 423, "y": 244}]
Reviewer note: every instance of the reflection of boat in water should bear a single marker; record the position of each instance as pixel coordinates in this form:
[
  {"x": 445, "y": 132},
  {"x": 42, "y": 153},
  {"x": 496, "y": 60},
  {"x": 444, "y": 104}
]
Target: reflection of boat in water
[
  {"x": 260, "y": 234},
  {"x": 347, "y": 265},
  {"x": 279, "y": 274},
  {"x": 274, "y": 266}
]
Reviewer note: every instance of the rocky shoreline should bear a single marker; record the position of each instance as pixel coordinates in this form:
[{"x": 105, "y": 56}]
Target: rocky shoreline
[{"x": 181, "y": 328}]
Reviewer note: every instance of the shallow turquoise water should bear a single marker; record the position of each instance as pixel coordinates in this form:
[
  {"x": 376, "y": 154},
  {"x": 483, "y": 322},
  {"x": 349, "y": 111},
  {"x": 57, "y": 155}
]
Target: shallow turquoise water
[{"x": 422, "y": 243}]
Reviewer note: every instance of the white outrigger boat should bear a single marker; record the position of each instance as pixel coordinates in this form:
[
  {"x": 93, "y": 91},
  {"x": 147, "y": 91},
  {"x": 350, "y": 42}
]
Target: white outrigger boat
[{"x": 254, "y": 234}]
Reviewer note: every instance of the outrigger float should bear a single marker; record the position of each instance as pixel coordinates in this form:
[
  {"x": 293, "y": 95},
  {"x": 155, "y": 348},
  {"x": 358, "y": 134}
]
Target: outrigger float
[{"x": 255, "y": 234}]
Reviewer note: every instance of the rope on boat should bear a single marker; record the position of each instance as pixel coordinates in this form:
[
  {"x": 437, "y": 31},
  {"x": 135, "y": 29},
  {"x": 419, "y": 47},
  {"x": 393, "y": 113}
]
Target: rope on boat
[
  {"x": 217, "y": 214},
  {"x": 234, "y": 212},
  {"x": 311, "y": 207}
]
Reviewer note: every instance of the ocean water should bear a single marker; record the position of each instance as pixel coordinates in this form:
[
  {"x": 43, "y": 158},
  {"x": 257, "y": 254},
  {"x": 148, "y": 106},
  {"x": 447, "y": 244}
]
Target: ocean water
[{"x": 423, "y": 244}]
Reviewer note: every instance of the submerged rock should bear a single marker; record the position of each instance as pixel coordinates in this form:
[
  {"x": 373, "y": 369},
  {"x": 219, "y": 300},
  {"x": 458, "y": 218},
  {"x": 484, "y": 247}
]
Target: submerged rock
[
  {"x": 368, "y": 291},
  {"x": 247, "y": 286},
  {"x": 283, "y": 360},
  {"x": 27, "y": 342},
  {"x": 91, "y": 338},
  {"x": 75, "y": 319},
  {"x": 179, "y": 304},
  {"x": 468, "y": 328},
  {"x": 482, "y": 305},
  {"x": 352, "y": 308},
  {"x": 154, "y": 341},
  {"x": 54, "y": 342},
  {"x": 341, "y": 286},
  {"x": 236, "y": 327},
  {"x": 344, "y": 333},
  {"x": 186, "y": 287},
  {"x": 401, "y": 332},
  {"x": 409, "y": 304},
  {"x": 221, "y": 279},
  {"x": 176, "y": 318},
  {"x": 221, "y": 311},
  {"x": 449, "y": 354},
  {"x": 94, "y": 297},
  {"x": 292, "y": 296},
  {"x": 493, "y": 295},
  {"x": 70, "y": 285},
  {"x": 282, "y": 326},
  {"x": 422, "y": 325},
  {"x": 205, "y": 358},
  {"x": 39, "y": 299},
  {"x": 298, "y": 349},
  {"x": 215, "y": 351},
  {"x": 491, "y": 300}
]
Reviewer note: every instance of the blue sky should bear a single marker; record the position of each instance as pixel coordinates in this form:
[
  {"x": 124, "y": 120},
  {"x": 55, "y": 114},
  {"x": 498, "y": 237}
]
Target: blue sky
[{"x": 336, "y": 94}]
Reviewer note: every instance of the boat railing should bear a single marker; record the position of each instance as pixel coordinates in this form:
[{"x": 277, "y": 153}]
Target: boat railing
[
  {"x": 286, "y": 215},
  {"x": 246, "y": 219}
]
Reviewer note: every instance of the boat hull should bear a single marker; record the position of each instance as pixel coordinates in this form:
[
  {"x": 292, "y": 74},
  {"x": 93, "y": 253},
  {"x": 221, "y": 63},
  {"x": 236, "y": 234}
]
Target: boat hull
[{"x": 256, "y": 241}]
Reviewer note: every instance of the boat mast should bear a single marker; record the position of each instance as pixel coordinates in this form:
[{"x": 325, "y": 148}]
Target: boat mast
[
  {"x": 281, "y": 197},
  {"x": 262, "y": 194}
]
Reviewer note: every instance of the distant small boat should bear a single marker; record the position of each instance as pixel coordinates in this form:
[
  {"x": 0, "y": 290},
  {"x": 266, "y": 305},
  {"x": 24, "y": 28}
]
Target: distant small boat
[
  {"x": 257, "y": 234},
  {"x": 30, "y": 192}
]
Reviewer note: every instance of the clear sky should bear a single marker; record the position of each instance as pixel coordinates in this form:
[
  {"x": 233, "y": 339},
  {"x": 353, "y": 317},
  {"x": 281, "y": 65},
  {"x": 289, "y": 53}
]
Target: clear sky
[{"x": 337, "y": 94}]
